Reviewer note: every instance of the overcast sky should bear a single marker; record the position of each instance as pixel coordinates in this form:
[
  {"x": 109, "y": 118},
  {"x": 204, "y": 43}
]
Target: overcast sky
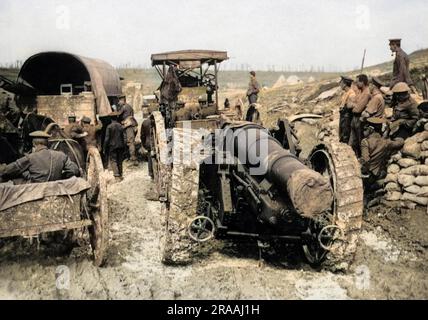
[{"x": 260, "y": 33}]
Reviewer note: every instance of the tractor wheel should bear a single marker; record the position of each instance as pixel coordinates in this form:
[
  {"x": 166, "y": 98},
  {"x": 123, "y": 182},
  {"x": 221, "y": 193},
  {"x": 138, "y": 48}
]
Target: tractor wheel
[
  {"x": 159, "y": 154},
  {"x": 177, "y": 245},
  {"x": 98, "y": 206},
  {"x": 338, "y": 162}
]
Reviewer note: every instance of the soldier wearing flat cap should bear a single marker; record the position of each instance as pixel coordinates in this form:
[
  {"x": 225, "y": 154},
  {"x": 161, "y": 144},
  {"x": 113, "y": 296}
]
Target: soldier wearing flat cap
[
  {"x": 346, "y": 112},
  {"x": 400, "y": 72},
  {"x": 42, "y": 164},
  {"x": 376, "y": 150},
  {"x": 376, "y": 106}
]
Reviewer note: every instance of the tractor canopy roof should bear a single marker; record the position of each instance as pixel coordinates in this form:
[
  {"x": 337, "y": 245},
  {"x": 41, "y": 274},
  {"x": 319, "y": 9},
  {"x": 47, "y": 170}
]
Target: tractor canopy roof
[{"x": 189, "y": 58}]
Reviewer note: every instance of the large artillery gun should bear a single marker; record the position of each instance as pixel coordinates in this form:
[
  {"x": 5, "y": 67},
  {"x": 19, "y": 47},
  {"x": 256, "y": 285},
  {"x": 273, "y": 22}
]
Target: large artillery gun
[
  {"x": 221, "y": 178},
  {"x": 317, "y": 203}
]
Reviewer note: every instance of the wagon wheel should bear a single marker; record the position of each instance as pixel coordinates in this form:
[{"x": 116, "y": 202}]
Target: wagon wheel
[
  {"x": 336, "y": 232},
  {"x": 159, "y": 154},
  {"x": 98, "y": 206}
]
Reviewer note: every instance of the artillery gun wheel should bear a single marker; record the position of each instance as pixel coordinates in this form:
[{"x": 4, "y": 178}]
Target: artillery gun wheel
[
  {"x": 341, "y": 227},
  {"x": 97, "y": 206},
  {"x": 159, "y": 151}
]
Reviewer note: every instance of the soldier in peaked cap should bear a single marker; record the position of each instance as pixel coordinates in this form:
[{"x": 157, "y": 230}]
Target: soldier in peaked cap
[
  {"x": 376, "y": 150},
  {"x": 345, "y": 112},
  {"x": 43, "y": 164},
  {"x": 400, "y": 72}
]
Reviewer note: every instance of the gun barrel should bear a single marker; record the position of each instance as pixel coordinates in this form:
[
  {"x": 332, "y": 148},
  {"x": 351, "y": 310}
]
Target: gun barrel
[{"x": 309, "y": 191}]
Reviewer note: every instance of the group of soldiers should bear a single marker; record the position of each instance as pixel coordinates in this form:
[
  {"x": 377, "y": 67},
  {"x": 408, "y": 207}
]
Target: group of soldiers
[
  {"x": 120, "y": 134},
  {"x": 364, "y": 124},
  {"x": 44, "y": 164}
]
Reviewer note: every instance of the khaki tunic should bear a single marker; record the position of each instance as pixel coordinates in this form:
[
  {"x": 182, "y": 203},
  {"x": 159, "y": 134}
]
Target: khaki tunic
[
  {"x": 361, "y": 101},
  {"x": 72, "y": 130},
  {"x": 400, "y": 71},
  {"x": 375, "y": 152},
  {"x": 91, "y": 138},
  {"x": 376, "y": 105}
]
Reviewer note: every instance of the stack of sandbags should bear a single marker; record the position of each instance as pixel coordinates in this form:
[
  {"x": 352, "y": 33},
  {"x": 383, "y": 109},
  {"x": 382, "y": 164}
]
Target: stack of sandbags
[{"x": 407, "y": 179}]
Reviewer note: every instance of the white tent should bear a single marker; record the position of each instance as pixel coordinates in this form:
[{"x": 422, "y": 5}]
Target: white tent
[
  {"x": 280, "y": 82},
  {"x": 292, "y": 80}
]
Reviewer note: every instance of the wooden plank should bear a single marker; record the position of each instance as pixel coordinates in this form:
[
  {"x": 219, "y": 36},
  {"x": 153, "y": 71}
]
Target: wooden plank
[{"x": 35, "y": 230}]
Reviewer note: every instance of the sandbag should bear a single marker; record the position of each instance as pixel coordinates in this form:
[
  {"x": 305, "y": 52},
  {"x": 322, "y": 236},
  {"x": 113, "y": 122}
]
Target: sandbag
[
  {"x": 406, "y": 162},
  {"x": 393, "y": 196},
  {"x": 413, "y": 189},
  {"x": 423, "y": 201},
  {"x": 424, "y": 146},
  {"x": 412, "y": 146},
  {"x": 396, "y": 157},
  {"x": 408, "y": 205},
  {"x": 418, "y": 170},
  {"x": 421, "y": 181},
  {"x": 391, "y": 177},
  {"x": 392, "y": 186},
  {"x": 424, "y": 154},
  {"x": 423, "y": 192},
  {"x": 393, "y": 168},
  {"x": 406, "y": 180}
]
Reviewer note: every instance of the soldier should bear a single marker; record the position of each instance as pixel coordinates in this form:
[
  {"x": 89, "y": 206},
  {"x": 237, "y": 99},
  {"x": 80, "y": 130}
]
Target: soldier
[
  {"x": 43, "y": 164},
  {"x": 345, "y": 111},
  {"x": 376, "y": 106},
  {"x": 253, "y": 89},
  {"x": 423, "y": 117},
  {"x": 253, "y": 114},
  {"x": 405, "y": 114},
  {"x": 74, "y": 130},
  {"x": 400, "y": 71},
  {"x": 130, "y": 125},
  {"x": 358, "y": 105},
  {"x": 376, "y": 150},
  {"x": 114, "y": 145},
  {"x": 92, "y": 131}
]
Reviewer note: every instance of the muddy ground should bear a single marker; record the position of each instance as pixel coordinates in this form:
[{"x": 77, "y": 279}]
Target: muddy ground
[{"x": 391, "y": 262}]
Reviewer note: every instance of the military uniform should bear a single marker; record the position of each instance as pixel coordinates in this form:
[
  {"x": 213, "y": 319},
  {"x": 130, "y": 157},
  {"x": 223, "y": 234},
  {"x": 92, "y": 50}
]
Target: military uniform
[
  {"x": 376, "y": 106},
  {"x": 42, "y": 165},
  {"x": 400, "y": 72},
  {"x": 253, "y": 90},
  {"x": 358, "y": 106},
  {"x": 345, "y": 112},
  {"x": 375, "y": 153},
  {"x": 91, "y": 130},
  {"x": 114, "y": 146},
  {"x": 73, "y": 130},
  {"x": 130, "y": 125},
  {"x": 145, "y": 136},
  {"x": 404, "y": 119},
  {"x": 405, "y": 112}
]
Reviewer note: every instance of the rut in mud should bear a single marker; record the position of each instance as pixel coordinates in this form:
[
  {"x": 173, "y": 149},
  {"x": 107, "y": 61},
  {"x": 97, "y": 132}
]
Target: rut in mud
[{"x": 391, "y": 262}]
